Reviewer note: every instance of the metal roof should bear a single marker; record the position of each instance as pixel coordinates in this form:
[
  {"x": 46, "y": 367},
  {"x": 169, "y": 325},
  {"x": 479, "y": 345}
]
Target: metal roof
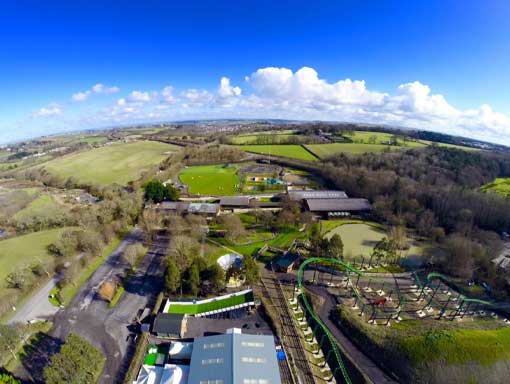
[
  {"x": 302, "y": 195},
  {"x": 338, "y": 205},
  {"x": 203, "y": 208},
  {"x": 168, "y": 323},
  {"x": 234, "y": 358},
  {"x": 236, "y": 201}
]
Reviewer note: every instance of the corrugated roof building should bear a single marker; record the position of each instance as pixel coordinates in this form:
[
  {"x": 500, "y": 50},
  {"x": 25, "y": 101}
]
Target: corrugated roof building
[
  {"x": 234, "y": 358},
  {"x": 338, "y": 205},
  {"x": 297, "y": 195}
]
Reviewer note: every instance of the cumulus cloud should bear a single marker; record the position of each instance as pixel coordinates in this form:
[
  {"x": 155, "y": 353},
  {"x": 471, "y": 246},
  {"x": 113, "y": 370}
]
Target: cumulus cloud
[
  {"x": 139, "y": 97},
  {"x": 52, "y": 109},
  {"x": 274, "y": 92},
  {"x": 98, "y": 88}
]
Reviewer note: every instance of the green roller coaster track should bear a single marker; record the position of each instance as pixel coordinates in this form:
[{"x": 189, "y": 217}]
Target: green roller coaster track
[{"x": 309, "y": 308}]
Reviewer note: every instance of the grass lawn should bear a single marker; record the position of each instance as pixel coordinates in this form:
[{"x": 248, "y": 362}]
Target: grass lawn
[
  {"x": 44, "y": 206},
  {"x": 501, "y": 186},
  {"x": 116, "y": 163},
  {"x": 251, "y": 139},
  {"x": 211, "y": 179},
  {"x": 284, "y": 150},
  {"x": 359, "y": 239},
  {"x": 325, "y": 150},
  {"x": 201, "y": 307},
  {"x": 21, "y": 251}
]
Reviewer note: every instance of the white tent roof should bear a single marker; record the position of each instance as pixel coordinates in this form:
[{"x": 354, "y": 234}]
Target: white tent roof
[
  {"x": 226, "y": 261},
  {"x": 149, "y": 375},
  {"x": 175, "y": 374}
]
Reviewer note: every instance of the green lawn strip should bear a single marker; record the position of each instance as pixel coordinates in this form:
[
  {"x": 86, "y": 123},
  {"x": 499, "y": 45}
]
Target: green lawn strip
[
  {"x": 193, "y": 309},
  {"x": 68, "y": 292},
  {"x": 211, "y": 179},
  {"x": 292, "y": 151},
  {"x": 116, "y": 297}
]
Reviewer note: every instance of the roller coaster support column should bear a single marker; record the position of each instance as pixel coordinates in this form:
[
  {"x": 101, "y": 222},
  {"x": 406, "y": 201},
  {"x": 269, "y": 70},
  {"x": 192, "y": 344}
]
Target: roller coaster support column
[
  {"x": 433, "y": 294},
  {"x": 465, "y": 310},
  {"x": 348, "y": 279},
  {"x": 370, "y": 261},
  {"x": 357, "y": 279},
  {"x": 331, "y": 279},
  {"x": 294, "y": 291},
  {"x": 421, "y": 292},
  {"x": 362, "y": 262},
  {"x": 458, "y": 310},
  {"x": 443, "y": 309},
  {"x": 314, "y": 272}
]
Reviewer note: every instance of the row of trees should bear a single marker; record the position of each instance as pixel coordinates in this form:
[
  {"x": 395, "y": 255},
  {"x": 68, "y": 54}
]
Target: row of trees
[{"x": 78, "y": 362}]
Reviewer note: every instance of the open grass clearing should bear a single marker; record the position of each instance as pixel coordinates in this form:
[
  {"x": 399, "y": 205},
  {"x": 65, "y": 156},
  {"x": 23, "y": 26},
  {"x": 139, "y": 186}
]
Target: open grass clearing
[
  {"x": 251, "y": 139},
  {"x": 501, "y": 186},
  {"x": 21, "y": 251},
  {"x": 43, "y": 207},
  {"x": 115, "y": 163},
  {"x": 292, "y": 151},
  {"x": 211, "y": 179}
]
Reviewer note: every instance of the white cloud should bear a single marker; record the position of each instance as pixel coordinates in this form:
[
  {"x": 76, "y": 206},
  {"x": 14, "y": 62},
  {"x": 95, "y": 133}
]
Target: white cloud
[
  {"x": 139, "y": 97},
  {"x": 81, "y": 96},
  {"x": 226, "y": 90},
  {"x": 52, "y": 109},
  {"x": 167, "y": 94},
  {"x": 98, "y": 88}
]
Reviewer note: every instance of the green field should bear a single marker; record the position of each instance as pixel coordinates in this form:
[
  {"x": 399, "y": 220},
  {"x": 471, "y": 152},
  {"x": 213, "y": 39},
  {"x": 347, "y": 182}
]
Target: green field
[
  {"x": 211, "y": 179},
  {"x": 325, "y": 150},
  {"x": 116, "y": 163},
  {"x": 21, "y": 251},
  {"x": 501, "y": 186},
  {"x": 285, "y": 150},
  {"x": 359, "y": 239},
  {"x": 251, "y": 139},
  {"x": 200, "y": 307},
  {"x": 43, "y": 207}
]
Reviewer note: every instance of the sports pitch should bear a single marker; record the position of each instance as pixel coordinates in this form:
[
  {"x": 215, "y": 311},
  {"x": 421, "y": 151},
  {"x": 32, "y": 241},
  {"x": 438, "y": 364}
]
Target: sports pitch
[{"x": 211, "y": 179}]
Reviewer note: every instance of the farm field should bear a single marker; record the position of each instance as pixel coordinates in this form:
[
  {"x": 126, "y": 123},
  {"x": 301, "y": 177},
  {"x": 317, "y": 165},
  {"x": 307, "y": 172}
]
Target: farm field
[
  {"x": 116, "y": 163},
  {"x": 250, "y": 139},
  {"x": 325, "y": 150},
  {"x": 501, "y": 186},
  {"x": 21, "y": 251},
  {"x": 44, "y": 206},
  {"x": 285, "y": 150},
  {"x": 211, "y": 179}
]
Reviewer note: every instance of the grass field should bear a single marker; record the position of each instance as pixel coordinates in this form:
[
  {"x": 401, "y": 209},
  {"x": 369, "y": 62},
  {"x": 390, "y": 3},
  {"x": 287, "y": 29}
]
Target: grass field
[
  {"x": 285, "y": 150},
  {"x": 116, "y": 163},
  {"x": 201, "y": 307},
  {"x": 501, "y": 186},
  {"x": 21, "y": 251},
  {"x": 359, "y": 239},
  {"x": 43, "y": 207},
  {"x": 211, "y": 179},
  {"x": 325, "y": 150},
  {"x": 251, "y": 139}
]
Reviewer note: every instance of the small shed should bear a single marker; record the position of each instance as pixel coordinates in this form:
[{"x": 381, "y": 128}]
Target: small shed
[
  {"x": 169, "y": 325},
  {"x": 287, "y": 262}
]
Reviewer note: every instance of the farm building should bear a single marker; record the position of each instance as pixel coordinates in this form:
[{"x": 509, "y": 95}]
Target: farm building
[
  {"x": 300, "y": 195},
  {"x": 183, "y": 207},
  {"x": 234, "y": 358},
  {"x": 338, "y": 207},
  {"x": 171, "y": 325},
  {"x": 236, "y": 202},
  {"x": 287, "y": 262}
]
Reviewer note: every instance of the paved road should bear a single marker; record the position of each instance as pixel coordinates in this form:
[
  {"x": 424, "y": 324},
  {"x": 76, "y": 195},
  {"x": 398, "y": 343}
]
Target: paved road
[
  {"x": 111, "y": 330},
  {"x": 38, "y": 306}
]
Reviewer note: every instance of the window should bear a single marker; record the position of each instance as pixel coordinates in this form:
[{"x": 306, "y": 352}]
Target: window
[
  {"x": 211, "y": 381},
  {"x": 255, "y": 381},
  {"x": 213, "y": 345},
  {"x": 218, "y": 360},
  {"x": 253, "y": 360},
  {"x": 256, "y": 344}
]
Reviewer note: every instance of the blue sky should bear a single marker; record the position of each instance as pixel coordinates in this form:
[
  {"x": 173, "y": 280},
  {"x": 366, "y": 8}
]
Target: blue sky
[{"x": 442, "y": 65}]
